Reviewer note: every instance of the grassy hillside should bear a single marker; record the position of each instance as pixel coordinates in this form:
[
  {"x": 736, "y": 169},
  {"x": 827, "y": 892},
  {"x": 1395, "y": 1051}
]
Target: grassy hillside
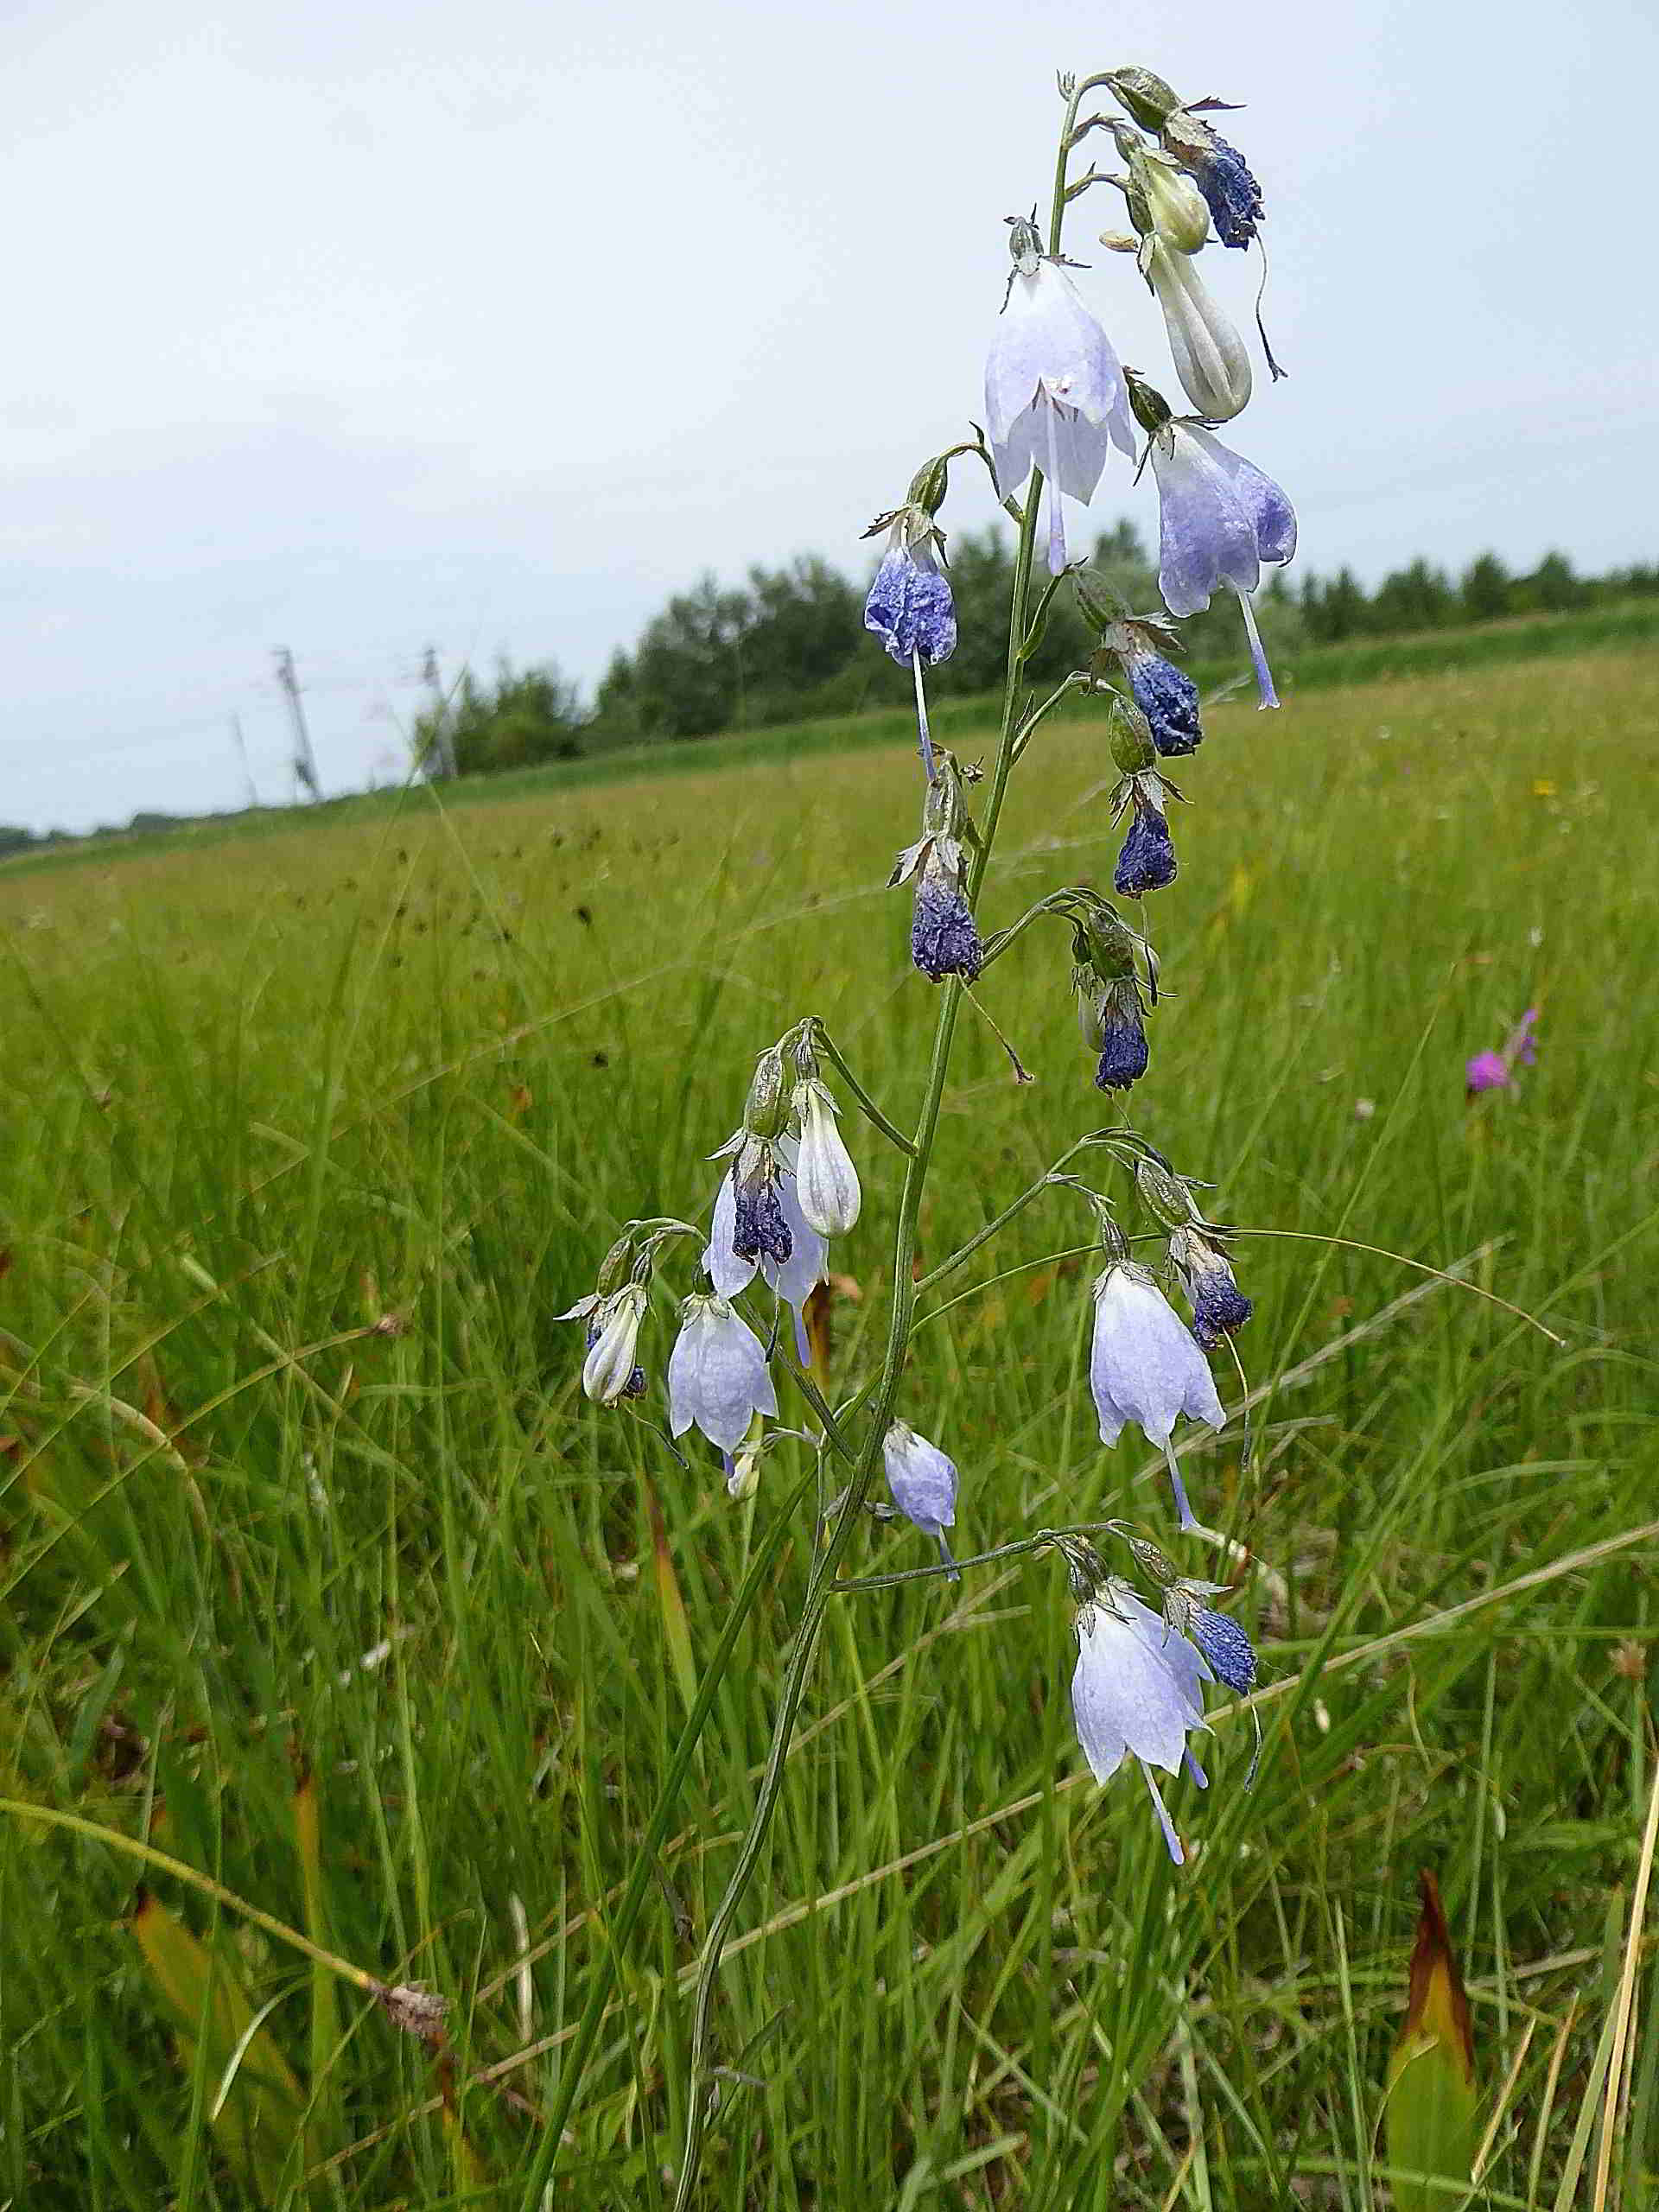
[{"x": 320, "y": 1577}]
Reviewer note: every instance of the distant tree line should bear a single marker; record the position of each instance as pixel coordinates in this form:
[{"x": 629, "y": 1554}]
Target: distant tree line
[{"x": 788, "y": 645}]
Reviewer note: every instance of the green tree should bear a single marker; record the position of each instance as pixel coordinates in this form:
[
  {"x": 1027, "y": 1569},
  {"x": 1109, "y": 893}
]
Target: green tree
[
  {"x": 526, "y": 716},
  {"x": 1485, "y": 590}
]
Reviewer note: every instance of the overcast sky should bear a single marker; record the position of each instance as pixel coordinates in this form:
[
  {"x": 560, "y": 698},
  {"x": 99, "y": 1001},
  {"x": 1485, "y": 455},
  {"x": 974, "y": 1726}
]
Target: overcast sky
[{"x": 360, "y": 328}]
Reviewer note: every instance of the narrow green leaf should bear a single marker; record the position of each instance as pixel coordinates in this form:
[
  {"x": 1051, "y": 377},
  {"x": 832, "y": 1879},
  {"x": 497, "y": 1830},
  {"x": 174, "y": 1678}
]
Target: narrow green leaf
[
  {"x": 677, "y": 1629},
  {"x": 258, "y": 2105}
]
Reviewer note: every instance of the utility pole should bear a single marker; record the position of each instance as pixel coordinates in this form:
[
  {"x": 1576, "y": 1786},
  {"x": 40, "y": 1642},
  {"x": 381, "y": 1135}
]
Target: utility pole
[
  {"x": 441, "y": 754},
  {"x": 242, "y": 753},
  {"x": 305, "y": 761}
]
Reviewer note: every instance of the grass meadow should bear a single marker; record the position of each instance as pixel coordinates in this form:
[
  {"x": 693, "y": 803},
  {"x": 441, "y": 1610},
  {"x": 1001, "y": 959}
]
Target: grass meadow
[{"x": 322, "y": 1578}]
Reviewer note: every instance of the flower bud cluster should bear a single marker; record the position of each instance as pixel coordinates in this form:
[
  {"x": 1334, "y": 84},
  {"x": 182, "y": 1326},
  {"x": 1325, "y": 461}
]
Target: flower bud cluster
[
  {"x": 789, "y": 1186},
  {"x": 1114, "y": 974}
]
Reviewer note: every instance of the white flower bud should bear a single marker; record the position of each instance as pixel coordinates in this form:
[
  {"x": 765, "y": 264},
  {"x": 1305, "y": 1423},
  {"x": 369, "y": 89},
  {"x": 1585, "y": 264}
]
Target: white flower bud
[
  {"x": 1175, "y": 204},
  {"x": 826, "y": 1182},
  {"x": 1210, "y": 356},
  {"x": 745, "y": 1477},
  {"x": 608, "y": 1368}
]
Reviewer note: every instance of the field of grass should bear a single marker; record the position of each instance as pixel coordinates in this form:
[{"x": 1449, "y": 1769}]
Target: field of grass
[{"x": 322, "y": 1578}]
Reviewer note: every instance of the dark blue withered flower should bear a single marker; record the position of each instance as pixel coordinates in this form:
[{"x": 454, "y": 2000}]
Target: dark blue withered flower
[
  {"x": 943, "y": 940},
  {"x": 1165, "y": 694},
  {"x": 1223, "y": 176},
  {"x": 1148, "y": 860},
  {"x": 1220, "y": 1309},
  {"x": 910, "y": 607}
]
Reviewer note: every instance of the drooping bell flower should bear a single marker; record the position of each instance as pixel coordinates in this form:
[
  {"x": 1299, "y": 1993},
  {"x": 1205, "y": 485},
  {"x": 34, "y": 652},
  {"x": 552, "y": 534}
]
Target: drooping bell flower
[
  {"x": 717, "y": 1374},
  {"x": 609, "y": 1371},
  {"x": 1055, "y": 398},
  {"x": 1222, "y": 174},
  {"x": 1145, "y": 1366},
  {"x": 1146, "y": 862},
  {"x": 1218, "y": 1635},
  {"x": 1168, "y": 698},
  {"x": 944, "y": 936},
  {"x": 801, "y": 1269},
  {"x": 1136, "y": 1693},
  {"x": 826, "y": 1182},
  {"x": 1112, "y": 999},
  {"x": 923, "y": 1482},
  {"x": 910, "y": 607},
  {"x": 1220, "y": 519},
  {"x": 1119, "y": 1038}
]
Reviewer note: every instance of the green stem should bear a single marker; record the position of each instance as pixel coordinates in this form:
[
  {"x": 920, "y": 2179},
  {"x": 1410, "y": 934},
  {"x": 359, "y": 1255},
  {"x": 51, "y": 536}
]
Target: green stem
[
  {"x": 643, "y": 1871},
  {"x": 205, "y": 1886},
  {"x": 1028, "y": 727},
  {"x": 824, "y": 1565},
  {"x": 965, "y": 1251},
  {"x": 866, "y": 1104}
]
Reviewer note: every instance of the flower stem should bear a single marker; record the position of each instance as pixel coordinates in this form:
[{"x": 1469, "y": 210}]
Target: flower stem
[
  {"x": 827, "y": 1562},
  {"x": 645, "y": 1859},
  {"x": 867, "y": 1105},
  {"x": 923, "y": 735}
]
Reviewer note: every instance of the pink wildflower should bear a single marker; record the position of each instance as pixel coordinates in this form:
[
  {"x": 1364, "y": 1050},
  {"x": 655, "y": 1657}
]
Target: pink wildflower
[{"x": 1496, "y": 1071}]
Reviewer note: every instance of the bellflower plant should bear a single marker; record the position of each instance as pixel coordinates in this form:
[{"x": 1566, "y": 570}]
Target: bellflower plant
[{"x": 1056, "y": 401}]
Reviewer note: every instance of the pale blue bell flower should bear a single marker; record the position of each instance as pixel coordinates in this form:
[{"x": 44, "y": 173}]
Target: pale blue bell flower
[
  {"x": 826, "y": 1182},
  {"x": 1146, "y": 1367},
  {"x": 1055, "y": 398},
  {"x": 923, "y": 1484},
  {"x": 717, "y": 1374},
  {"x": 1219, "y": 519},
  {"x": 1136, "y": 1693}
]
